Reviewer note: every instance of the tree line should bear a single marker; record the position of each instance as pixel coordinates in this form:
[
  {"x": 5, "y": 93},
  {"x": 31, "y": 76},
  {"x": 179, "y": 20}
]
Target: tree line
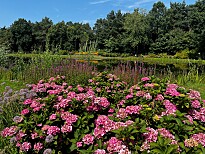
[{"x": 160, "y": 30}]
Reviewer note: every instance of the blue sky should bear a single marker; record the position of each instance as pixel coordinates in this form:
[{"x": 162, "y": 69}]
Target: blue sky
[{"x": 69, "y": 10}]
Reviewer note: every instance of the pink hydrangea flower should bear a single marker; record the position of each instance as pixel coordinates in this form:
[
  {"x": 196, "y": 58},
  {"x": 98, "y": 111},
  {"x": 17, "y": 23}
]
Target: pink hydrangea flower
[
  {"x": 151, "y": 136},
  {"x": 114, "y": 145},
  {"x": 133, "y": 109},
  {"x": 195, "y": 104},
  {"x": 147, "y": 96},
  {"x": 9, "y": 131},
  {"x": 38, "y": 146},
  {"x": 34, "y": 135},
  {"x": 111, "y": 110},
  {"x": 88, "y": 139},
  {"x": 100, "y": 151},
  {"x": 27, "y": 102},
  {"x": 52, "y": 117},
  {"x": 122, "y": 113},
  {"x": 129, "y": 96},
  {"x": 25, "y": 111},
  {"x": 79, "y": 144},
  {"x": 194, "y": 94},
  {"x": 159, "y": 97},
  {"x": 26, "y": 146},
  {"x": 53, "y": 130},
  {"x": 149, "y": 85},
  {"x": 145, "y": 79},
  {"x": 66, "y": 128}
]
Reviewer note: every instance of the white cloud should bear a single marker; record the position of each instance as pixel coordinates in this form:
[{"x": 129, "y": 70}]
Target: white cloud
[
  {"x": 99, "y": 2},
  {"x": 140, "y": 2}
]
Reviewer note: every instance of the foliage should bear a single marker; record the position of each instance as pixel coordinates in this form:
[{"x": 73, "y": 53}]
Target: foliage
[
  {"x": 182, "y": 54},
  {"x": 160, "y": 30},
  {"x": 108, "y": 117}
]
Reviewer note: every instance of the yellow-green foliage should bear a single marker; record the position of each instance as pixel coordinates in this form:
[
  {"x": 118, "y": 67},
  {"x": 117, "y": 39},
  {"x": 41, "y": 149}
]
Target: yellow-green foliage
[{"x": 182, "y": 54}]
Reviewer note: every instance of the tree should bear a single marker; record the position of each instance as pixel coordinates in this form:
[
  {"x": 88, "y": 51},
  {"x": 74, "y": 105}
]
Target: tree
[
  {"x": 5, "y": 36},
  {"x": 136, "y": 28},
  {"x": 40, "y": 30},
  {"x": 174, "y": 41},
  {"x": 21, "y": 36},
  {"x": 57, "y": 37},
  {"x": 109, "y": 32},
  {"x": 157, "y": 20}
]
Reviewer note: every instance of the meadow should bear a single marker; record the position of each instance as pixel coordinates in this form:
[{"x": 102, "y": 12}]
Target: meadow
[{"x": 138, "y": 100}]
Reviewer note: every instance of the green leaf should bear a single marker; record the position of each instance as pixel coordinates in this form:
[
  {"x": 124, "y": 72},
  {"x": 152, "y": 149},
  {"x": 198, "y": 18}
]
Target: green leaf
[
  {"x": 161, "y": 142},
  {"x": 178, "y": 122},
  {"x": 158, "y": 151},
  {"x": 73, "y": 147},
  {"x": 169, "y": 150},
  {"x": 154, "y": 145},
  {"x": 181, "y": 144},
  {"x": 188, "y": 128},
  {"x": 132, "y": 137}
]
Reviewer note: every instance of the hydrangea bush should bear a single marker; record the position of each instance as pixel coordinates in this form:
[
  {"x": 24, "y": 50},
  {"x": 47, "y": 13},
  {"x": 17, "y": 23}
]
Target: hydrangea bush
[{"x": 106, "y": 116}]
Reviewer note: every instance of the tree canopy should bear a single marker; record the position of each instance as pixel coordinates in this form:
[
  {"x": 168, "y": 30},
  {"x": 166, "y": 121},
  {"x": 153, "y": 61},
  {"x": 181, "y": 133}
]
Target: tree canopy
[{"x": 160, "y": 30}]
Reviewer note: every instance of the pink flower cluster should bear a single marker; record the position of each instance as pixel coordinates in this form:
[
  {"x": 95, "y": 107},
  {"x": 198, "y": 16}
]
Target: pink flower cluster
[
  {"x": 195, "y": 104},
  {"x": 159, "y": 97},
  {"x": 151, "y": 85},
  {"x": 199, "y": 138},
  {"x": 88, "y": 139},
  {"x": 97, "y": 103},
  {"x": 104, "y": 125},
  {"x": 133, "y": 109},
  {"x": 36, "y": 106},
  {"x": 198, "y": 115},
  {"x": 25, "y": 111},
  {"x": 101, "y": 101},
  {"x": 152, "y": 135},
  {"x": 145, "y": 79},
  {"x": 69, "y": 117},
  {"x": 194, "y": 94},
  {"x": 52, "y": 117},
  {"x": 115, "y": 145},
  {"x": 170, "y": 108},
  {"x": 9, "y": 131},
  {"x": 53, "y": 130},
  {"x": 38, "y": 146},
  {"x": 26, "y": 146},
  {"x": 42, "y": 86},
  {"x": 166, "y": 134},
  {"x": 129, "y": 96},
  {"x": 172, "y": 90},
  {"x": 100, "y": 151}
]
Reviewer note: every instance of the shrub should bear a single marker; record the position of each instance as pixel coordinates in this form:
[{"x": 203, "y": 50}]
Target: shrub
[
  {"x": 182, "y": 54},
  {"x": 153, "y": 116},
  {"x": 63, "y": 52}
]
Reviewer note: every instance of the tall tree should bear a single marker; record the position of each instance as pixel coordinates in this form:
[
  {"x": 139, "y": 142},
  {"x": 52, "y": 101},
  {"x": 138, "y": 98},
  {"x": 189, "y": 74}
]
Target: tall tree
[
  {"x": 57, "y": 37},
  {"x": 21, "y": 35},
  {"x": 5, "y": 36},
  {"x": 40, "y": 30},
  {"x": 136, "y": 27},
  {"x": 109, "y": 32},
  {"x": 157, "y": 20}
]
